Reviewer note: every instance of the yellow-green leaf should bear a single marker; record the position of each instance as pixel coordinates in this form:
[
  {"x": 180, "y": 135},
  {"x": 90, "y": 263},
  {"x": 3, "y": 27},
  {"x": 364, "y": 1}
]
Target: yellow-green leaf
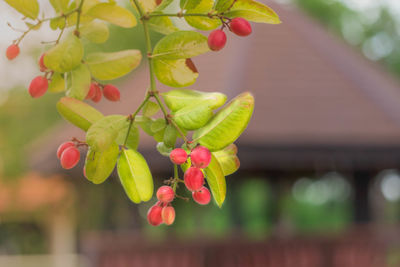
[
  {"x": 181, "y": 45},
  {"x": 180, "y": 98},
  {"x": 175, "y": 73},
  {"x": 57, "y": 83},
  {"x": 228, "y": 159},
  {"x": 80, "y": 82},
  {"x": 135, "y": 176},
  {"x": 65, "y": 56},
  {"x": 28, "y": 8},
  {"x": 202, "y": 22},
  {"x": 114, "y": 14},
  {"x": 162, "y": 25},
  {"x": 227, "y": 125},
  {"x": 78, "y": 113},
  {"x": 100, "y": 164},
  {"x": 223, "y": 5},
  {"x": 170, "y": 136},
  {"x": 60, "y": 6},
  {"x": 95, "y": 31},
  {"x": 216, "y": 180},
  {"x": 253, "y": 11},
  {"x": 110, "y": 66},
  {"x": 194, "y": 116},
  {"x": 189, "y": 4},
  {"x": 133, "y": 138}
]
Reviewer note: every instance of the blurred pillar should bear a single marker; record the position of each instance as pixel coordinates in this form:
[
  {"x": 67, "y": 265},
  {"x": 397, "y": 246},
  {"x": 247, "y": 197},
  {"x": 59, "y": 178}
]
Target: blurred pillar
[{"x": 361, "y": 182}]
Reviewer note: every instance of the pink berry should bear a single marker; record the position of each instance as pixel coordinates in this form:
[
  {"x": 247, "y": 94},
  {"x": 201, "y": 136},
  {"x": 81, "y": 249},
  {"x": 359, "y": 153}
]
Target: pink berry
[
  {"x": 154, "y": 215},
  {"x": 165, "y": 194},
  {"x": 62, "y": 147},
  {"x": 202, "y": 196},
  {"x": 217, "y": 40},
  {"x": 111, "y": 92},
  {"x": 92, "y": 91},
  {"x": 97, "y": 94},
  {"x": 168, "y": 215},
  {"x": 194, "y": 179},
  {"x": 240, "y": 26},
  {"x": 12, "y": 51},
  {"x": 42, "y": 67},
  {"x": 38, "y": 86},
  {"x": 178, "y": 156},
  {"x": 200, "y": 157},
  {"x": 70, "y": 157}
]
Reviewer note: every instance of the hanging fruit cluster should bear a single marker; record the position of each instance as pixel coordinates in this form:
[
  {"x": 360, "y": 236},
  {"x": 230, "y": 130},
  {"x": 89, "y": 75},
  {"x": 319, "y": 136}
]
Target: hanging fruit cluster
[{"x": 208, "y": 156}]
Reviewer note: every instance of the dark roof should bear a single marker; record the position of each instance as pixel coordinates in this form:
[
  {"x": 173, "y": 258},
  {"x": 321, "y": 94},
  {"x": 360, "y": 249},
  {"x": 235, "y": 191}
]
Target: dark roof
[{"x": 313, "y": 93}]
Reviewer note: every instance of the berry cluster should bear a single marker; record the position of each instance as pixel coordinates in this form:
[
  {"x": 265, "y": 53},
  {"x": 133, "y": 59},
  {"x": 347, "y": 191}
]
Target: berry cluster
[
  {"x": 69, "y": 155},
  {"x": 97, "y": 90},
  {"x": 162, "y": 211},
  {"x": 217, "y": 38}
]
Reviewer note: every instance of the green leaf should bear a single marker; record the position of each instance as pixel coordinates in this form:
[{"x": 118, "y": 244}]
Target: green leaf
[
  {"x": 162, "y": 25},
  {"x": 170, "y": 136},
  {"x": 28, "y": 8},
  {"x": 159, "y": 135},
  {"x": 228, "y": 159},
  {"x": 80, "y": 82},
  {"x": 133, "y": 137},
  {"x": 199, "y": 22},
  {"x": 150, "y": 109},
  {"x": 158, "y": 125},
  {"x": 135, "y": 176},
  {"x": 180, "y": 98},
  {"x": 95, "y": 31},
  {"x": 145, "y": 123},
  {"x": 223, "y": 5},
  {"x": 189, "y": 4},
  {"x": 164, "y": 4},
  {"x": 175, "y": 73},
  {"x": 147, "y": 6},
  {"x": 99, "y": 165},
  {"x": 228, "y": 124},
  {"x": 163, "y": 149},
  {"x": 110, "y": 66},
  {"x": 216, "y": 180},
  {"x": 114, "y": 14},
  {"x": 57, "y": 23},
  {"x": 181, "y": 45},
  {"x": 78, "y": 113},
  {"x": 60, "y": 6},
  {"x": 57, "y": 83},
  {"x": 65, "y": 56},
  {"x": 194, "y": 116},
  {"x": 253, "y": 11},
  {"x": 103, "y": 133}
]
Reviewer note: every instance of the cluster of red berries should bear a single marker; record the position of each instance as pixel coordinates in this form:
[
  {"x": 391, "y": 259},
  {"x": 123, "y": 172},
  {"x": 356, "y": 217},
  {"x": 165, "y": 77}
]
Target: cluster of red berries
[
  {"x": 69, "y": 155},
  {"x": 97, "y": 90},
  {"x": 217, "y": 38},
  {"x": 162, "y": 211}
]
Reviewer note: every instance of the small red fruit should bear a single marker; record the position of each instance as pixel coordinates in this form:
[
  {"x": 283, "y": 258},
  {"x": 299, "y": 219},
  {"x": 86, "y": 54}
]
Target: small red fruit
[
  {"x": 200, "y": 157},
  {"x": 38, "y": 86},
  {"x": 178, "y": 156},
  {"x": 217, "y": 40},
  {"x": 154, "y": 215},
  {"x": 62, "y": 147},
  {"x": 202, "y": 196},
  {"x": 194, "y": 179},
  {"x": 42, "y": 67},
  {"x": 97, "y": 94},
  {"x": 168, "y": 215},
  {"x": 111, "y": 92},
  {"x": 165, "y": 194},
  {"x": 70, "y": 157},
  {"x": 92, "y": 91},
  {"x": 12, "y": 51},
  {"x": 240, "y": 26}
]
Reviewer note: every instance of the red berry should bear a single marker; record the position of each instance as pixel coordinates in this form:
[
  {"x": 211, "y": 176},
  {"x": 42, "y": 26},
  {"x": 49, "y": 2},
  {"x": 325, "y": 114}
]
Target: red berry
[
  {"x": 240, "y": 26},
  {"x": 62, "y": 147},
  {"x": 70, "y": 157},
  {"x": 178, "y": 156},
  {"x": 202, "y": 196},
  {"x": 12, "y": 51},
  {"x": 97, "y": 94},
  {"x": 92, "y": 91},
  {"x": 154, "y": 215},
  {"x": 200, "y": 157},
  {"x": 194, "y": 179},
  {"x": 42, "y": 67},
  {"x": 216, "y": 40},
  {"x": 165, "y": 194},
  {"x": 111, "y": 92},
  {"x": 168, "y": 215},
  {"x": 38, "y": 86}
]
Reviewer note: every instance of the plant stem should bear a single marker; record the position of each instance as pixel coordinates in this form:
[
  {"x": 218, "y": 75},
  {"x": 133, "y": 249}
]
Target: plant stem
[
  {"x": 176, "y": 177},
  {"x": 78, "y": 21},
  {"x": 181, "y": 15}
]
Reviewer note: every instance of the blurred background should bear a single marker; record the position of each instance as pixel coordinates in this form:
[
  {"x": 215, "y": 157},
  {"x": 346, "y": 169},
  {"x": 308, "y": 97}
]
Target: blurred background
[{"x": 319, "y": 183}]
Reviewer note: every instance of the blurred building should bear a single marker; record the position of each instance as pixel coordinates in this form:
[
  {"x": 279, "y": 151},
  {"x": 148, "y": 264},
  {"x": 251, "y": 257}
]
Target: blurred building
[{"x": 317, "y": 184}]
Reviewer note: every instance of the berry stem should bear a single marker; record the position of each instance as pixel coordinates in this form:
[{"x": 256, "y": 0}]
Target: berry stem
[
  {"x": 78, "y": 21},
  {"x": 176, "y": 177}
]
